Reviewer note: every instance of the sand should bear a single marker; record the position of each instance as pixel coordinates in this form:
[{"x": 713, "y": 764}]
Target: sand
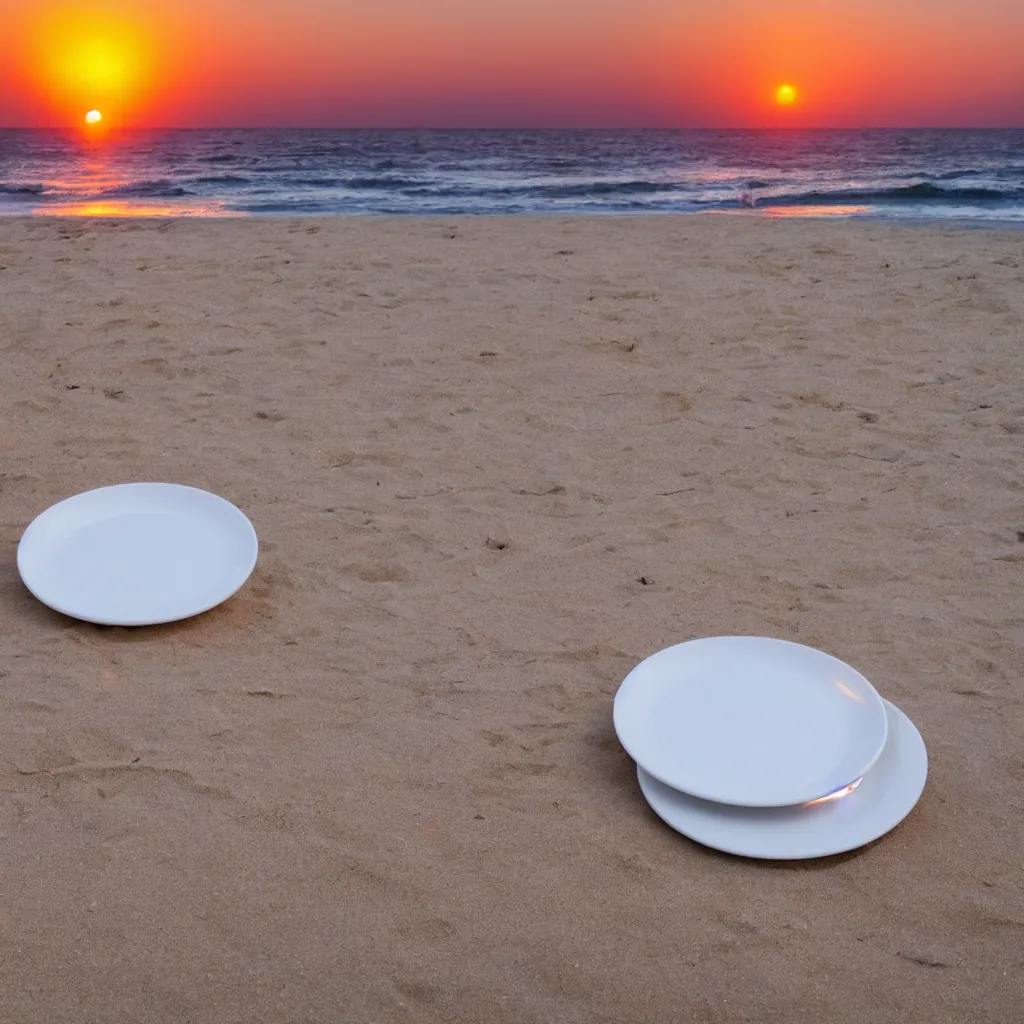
[{"x": 493, "y": 464}]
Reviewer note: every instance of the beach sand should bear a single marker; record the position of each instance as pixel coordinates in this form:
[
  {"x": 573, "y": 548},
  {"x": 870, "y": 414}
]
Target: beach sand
[{"x": 493, "y": 464}]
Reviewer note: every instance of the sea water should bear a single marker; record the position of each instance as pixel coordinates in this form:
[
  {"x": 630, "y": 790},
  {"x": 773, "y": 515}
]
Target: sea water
[{"x": 963, "y": 176}]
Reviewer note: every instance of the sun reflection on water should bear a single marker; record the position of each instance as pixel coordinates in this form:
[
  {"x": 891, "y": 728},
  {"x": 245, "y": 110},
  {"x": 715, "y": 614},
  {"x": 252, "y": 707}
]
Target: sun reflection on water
[
  {"x": 89, "y": 187},
  {"x": 812, "y": 211},
  {"x": 130, "y": 208}
]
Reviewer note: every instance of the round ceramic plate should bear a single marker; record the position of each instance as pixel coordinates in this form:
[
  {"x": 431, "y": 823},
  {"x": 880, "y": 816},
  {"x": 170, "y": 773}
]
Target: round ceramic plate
[
  {"x": 884, "y": 797},
  {"x": 749, "y": 720},
  {"x": 137, "y": 554}
]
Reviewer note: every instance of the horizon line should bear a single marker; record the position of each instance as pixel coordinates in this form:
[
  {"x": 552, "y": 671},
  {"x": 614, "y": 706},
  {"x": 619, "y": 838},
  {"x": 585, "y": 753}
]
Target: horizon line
[{"x": 522, "y": 128}]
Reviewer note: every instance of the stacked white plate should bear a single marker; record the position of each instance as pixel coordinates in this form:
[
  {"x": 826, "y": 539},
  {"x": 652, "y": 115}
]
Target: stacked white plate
[
  {"x": 766, "y": 748},
  {"x": 137, "y": 554}
]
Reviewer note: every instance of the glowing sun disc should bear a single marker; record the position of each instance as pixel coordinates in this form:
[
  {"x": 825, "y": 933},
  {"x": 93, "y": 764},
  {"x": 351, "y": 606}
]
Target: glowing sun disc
[
  {"x": 93, "y": 117},
  {"x": 786, "y": 95}
]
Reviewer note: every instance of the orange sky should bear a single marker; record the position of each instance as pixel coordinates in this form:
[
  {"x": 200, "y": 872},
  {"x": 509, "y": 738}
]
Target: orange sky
[{"x": 530, "y": 63}]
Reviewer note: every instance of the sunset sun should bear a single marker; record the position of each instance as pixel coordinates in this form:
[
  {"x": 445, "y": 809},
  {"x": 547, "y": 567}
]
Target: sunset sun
[
  {"x": 93, "y": 63},
  {"x": 785, "y": 95}
]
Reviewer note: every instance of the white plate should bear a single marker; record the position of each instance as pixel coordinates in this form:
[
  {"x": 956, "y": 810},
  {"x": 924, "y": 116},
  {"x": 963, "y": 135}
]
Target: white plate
[
  {"x": 137, "y": 554},
  {"x": 749, "y": 720},
  {"x": 885, "y": 796}
]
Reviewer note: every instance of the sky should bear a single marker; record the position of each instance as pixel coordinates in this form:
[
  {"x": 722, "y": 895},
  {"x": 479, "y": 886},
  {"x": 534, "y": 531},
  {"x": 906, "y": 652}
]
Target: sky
[{"x": 513, "y": 63}]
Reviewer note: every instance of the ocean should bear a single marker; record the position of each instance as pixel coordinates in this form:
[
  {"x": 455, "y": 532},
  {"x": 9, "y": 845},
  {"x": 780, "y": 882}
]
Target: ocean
[{"x": 962, "y": 176}]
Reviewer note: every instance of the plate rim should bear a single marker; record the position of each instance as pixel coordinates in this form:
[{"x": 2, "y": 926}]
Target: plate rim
[
  {"x": 912, "y": 758},
  {"x": 878, "y": 701},
  {"x": 56, "y": 606}
]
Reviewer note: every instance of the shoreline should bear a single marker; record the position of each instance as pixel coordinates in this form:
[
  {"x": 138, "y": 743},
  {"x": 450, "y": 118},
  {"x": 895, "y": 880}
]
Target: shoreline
[{"x": 790, "y": 214}]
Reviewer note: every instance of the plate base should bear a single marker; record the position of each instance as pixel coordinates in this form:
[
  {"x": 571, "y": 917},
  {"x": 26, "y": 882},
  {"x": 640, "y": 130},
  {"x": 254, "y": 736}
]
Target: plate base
[{"x": 885, "y": 796}]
